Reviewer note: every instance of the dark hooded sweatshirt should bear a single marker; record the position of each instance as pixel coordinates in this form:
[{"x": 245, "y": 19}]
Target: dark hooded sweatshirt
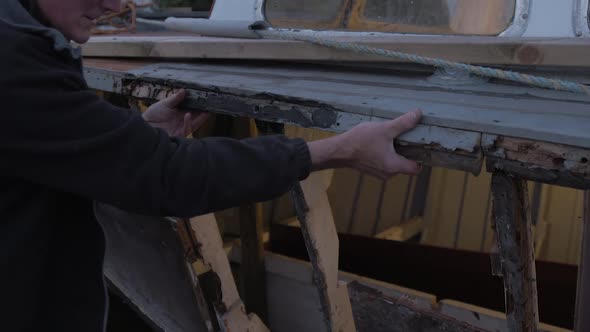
[{"x": 61, "y": 148}]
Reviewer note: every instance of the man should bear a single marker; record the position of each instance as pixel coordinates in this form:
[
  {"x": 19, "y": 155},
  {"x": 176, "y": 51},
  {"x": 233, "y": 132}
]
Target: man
[{"x": 63, "y": 148}]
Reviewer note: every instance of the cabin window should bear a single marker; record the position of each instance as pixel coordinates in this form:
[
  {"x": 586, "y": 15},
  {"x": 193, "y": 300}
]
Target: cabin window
[
  {"x": 306, "y": 14},
  {"x": 463, "y": 17},
  {"x": 177, "y": 8}
]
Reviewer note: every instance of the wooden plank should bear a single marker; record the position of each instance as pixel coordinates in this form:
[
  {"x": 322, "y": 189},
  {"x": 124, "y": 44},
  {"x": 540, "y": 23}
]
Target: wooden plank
[
  {"x": 576, "y": 230},
  {"x": 392, "y": 208},
  {"x": 342, "y": 196},
  {"x": 485, "y": 319},
  {"x": 471, "y": 49},
  {"x": 515, "y": 244},
  {"x": 253, "y": 281},
  {"x": 404, "y": 231},
  {"x": 291, "y": 292},
  {"x": 377, "y": 312},
  {"x": 560, "y": 214},
  {"x": 443, "y": 212},
  {"x": 460, "y": 275},
  {"x": 367, "y": 206},
  {"x": 319, "y": 232},
  {"x": 582, "y": 319},
  {"x": 146, "y": 262},
  {"x": 251, "y": 231},
  {"x": 230, "y": 309},
  {"x": 420, "y": 193},
  {"x": 538, "y": 161},
  {"x": 337, "y": 100},
  {"x": 474, "y": 215},
  {"x": 433, "y": 206}
]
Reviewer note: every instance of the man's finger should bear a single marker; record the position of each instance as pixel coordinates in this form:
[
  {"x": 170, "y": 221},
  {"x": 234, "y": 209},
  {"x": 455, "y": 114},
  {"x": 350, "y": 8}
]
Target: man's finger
[
  {"x": 405, "y": 122},
  {"x": 408, "y": 167},
  {"x": 175, "y": 99},
  {"x": 186, "y": 124},
  {"x": 199, "y": 120}
]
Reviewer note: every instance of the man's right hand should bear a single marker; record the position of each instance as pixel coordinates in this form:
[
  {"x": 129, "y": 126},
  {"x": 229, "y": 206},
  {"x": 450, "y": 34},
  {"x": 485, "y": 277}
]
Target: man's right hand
[{"x": 367, "y": 147}]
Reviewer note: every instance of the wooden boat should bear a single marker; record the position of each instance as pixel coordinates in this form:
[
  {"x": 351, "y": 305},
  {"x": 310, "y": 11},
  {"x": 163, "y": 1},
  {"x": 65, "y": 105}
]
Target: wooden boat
[{"x": 518, "y": 131}]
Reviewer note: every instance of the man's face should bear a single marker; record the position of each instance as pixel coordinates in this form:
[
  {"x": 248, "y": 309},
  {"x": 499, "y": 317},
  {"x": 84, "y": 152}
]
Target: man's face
[{"x": 75, "y": 18}]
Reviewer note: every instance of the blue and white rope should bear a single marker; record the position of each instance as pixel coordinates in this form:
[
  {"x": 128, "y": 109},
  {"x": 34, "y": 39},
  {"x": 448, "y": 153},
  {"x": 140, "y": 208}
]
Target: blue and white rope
[{"x": 440, "y": 63}]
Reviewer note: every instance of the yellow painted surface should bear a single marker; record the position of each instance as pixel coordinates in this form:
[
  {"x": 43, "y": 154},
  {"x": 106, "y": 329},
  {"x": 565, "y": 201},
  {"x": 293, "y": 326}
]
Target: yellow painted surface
[
  {"x": 560, "y": 212},
  {"x": 559, "y": 217}
]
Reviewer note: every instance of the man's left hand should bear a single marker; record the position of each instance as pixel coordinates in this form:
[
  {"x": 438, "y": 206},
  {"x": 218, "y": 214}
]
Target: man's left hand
[{"x": 166, "y": 115}]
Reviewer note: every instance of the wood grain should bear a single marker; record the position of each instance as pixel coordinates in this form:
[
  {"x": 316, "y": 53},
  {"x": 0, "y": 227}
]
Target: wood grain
[{"x": 515, "y": 244}]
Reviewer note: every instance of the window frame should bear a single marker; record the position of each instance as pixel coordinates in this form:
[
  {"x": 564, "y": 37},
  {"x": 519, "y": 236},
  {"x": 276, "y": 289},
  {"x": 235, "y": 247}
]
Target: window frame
[
  {"x": 581, "y": 17},
  {"x": 515, "y": 29}
]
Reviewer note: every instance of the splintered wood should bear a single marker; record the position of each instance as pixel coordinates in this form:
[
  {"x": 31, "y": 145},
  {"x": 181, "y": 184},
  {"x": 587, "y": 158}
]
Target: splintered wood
[
  {"x": 321, "y": 240},
  {"x": 538, "y": 161},
  {"x": 515, "y": 252},
  {"x": 229, "y": 307}
]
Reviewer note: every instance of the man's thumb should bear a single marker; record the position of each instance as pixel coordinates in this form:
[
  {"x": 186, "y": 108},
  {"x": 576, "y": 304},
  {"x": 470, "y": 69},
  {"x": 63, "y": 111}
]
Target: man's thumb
[
  {"x": 175, "y": 99},
  {"x": 405, "y": 122}
]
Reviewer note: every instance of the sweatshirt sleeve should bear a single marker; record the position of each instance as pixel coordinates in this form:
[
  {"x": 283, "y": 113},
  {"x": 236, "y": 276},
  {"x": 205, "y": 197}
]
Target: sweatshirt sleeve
[{"x": 56, "y": 132}]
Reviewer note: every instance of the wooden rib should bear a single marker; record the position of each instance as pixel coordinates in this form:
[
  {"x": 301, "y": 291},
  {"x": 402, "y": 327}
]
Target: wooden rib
[
  {"x": 229, "y": 307},
  {"x": 515, "y": 244},
  {"x": 321, "y": 240}
]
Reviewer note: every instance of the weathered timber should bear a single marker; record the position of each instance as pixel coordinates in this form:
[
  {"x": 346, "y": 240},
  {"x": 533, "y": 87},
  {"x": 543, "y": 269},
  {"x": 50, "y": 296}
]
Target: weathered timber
[
  {"x": 515, "y": 243},
  {"x": 229, "y": 307},
  {"x": 434, "y": 155},
  {"x": 484, "y": 319},
  {"x": 253, "y": 276},
  {"x": 321, "y": 240},
  {"x": 538, "y": 161},
  {"x": 431, "y": 145},
  {"x": 146, "y": 263},
  {"x": 471, "y": 49},
  {"x": 377, "y": 305},
  {"x": 335, "y": 100},
  {"x": 253, "y": 283},
  {"x": 376, "y": 312},
  {"x": 582, "y": 319},
  {"x": 446, "y": 273}
]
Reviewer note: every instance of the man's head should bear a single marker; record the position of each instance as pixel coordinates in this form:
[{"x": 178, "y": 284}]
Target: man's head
[{"x": 75, "y": 18}]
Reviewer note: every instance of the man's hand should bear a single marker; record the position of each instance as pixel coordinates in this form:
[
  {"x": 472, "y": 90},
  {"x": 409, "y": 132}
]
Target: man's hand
[
  {"x": 166, "y": 115},
  {"x": 367, "y": 147}
]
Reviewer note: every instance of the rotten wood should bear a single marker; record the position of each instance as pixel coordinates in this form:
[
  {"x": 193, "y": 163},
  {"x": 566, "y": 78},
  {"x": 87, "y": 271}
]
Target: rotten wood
[
  {"x": 431, "y": 145},
  {"x": 538, "y": 161},
  {"x": 377, "y": 306},
  {"x": 321, "y": 240},
  {"x": 582, "y": 319},
  {"x": 459, "y": 275},
  {"x": 515, "y": 243},
  {"x": 377, "y": 312},
  {"x": 437, "y": 156},
  {"x": 228, "y": 305}
]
